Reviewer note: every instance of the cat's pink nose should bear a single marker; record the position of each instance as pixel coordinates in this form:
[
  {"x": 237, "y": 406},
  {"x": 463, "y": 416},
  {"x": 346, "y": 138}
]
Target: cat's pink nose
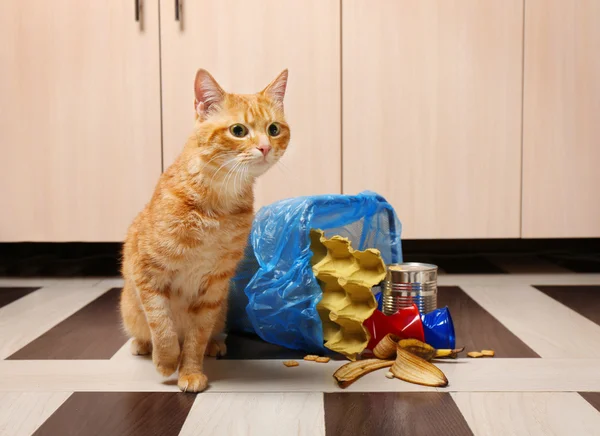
[{"x": 264, "y": 149}]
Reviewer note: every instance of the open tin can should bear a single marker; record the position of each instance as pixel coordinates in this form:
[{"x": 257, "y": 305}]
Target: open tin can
[{"x": 410, "y": 283}]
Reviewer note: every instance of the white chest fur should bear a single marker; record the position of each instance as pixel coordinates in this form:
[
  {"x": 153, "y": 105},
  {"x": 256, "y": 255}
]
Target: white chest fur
[{"x": 214, "y": 254}]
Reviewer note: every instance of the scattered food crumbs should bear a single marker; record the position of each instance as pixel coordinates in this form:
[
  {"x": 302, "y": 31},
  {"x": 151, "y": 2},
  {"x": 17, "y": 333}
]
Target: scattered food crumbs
[
  {"x": 389, "y": 374},
  {"x": 474, "y": 354},
  {"x": 311, "y": 357},
  {"x": 290, "y": 363},
  {"x": 322, "y": 359},
  {"x": 488, "y": 353}
]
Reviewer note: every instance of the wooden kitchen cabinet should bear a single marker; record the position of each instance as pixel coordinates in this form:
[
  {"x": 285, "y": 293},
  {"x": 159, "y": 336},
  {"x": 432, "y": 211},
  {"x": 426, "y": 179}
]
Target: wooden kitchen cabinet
[
  {"x": 432, "y": 112},
  {"x": 561, "y": 130},
  {"x": 79, "y": 118},
  {"x": 475, "y": 119},
  {"x": 245, "y": 45}
]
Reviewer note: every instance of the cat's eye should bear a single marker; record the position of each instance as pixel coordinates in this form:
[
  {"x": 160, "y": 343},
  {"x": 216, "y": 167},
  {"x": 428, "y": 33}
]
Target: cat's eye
[
  {"x": 274, "y": 129},
  {"x": 238, "y": 130}
]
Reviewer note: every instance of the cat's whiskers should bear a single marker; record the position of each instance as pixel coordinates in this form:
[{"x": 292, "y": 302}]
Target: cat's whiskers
[
  {"x": 218, "y": 155},
  {"x": 227, "y": 178},
  {"x": 237, "y": 174},
  {"x": 221, "y": 167},
  {"x": 280, "y": 161},
  {"x": 242, "y": 175},
  {"x": 284, "y": 170},
  {"x": 281, "y": 170}
]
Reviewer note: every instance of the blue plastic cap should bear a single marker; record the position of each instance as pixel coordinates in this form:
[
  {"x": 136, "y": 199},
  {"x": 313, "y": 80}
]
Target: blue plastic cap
[{"x": 439, "y": 329}]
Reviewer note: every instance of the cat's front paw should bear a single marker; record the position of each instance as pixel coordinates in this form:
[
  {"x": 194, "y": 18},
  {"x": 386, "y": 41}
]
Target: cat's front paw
[
  {"x": 216, "y": 347},
  {"x": 166, "y": 359},
  {"x": 196, "y": 382},
  {"x": 140, "y": 348}
]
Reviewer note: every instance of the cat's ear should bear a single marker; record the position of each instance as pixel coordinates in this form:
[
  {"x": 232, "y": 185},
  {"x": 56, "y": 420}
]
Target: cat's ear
[
  {"x": 209, "y": 95},
  {"x": 276, "y": 89}
]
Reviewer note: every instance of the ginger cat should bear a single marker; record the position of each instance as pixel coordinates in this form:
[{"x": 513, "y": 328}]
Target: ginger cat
[{"x": 182, "y": 250}]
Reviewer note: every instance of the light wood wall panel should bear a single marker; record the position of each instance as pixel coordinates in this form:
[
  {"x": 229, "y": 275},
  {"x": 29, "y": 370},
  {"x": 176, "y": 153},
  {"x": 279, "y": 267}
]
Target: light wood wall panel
[
  {"x": 432, "y": 112},
  {"x": 80, "y": 147},
  {"x": 561, "y": 130},
  {"x": 245, "y": 44}
]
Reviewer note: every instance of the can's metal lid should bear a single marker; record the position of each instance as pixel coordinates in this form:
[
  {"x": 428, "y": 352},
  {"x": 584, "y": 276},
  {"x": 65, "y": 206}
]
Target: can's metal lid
[{"x": 411, "y": 272}]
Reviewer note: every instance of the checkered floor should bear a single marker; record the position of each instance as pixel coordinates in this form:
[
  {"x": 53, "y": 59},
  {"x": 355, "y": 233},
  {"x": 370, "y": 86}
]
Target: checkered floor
[{"x": 65, "y": 368}]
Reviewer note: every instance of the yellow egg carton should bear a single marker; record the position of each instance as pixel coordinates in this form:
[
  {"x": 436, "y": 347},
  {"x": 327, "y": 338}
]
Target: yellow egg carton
[{"x": 346, "y": 277}]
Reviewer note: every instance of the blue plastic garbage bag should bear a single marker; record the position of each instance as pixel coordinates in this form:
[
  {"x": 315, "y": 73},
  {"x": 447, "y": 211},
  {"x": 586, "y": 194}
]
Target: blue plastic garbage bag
[{"x": 275, "y": 292}]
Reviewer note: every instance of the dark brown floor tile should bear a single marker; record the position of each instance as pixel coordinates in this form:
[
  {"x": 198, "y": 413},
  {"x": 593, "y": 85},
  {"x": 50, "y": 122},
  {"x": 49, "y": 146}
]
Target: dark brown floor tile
[
  {"x": 94, "y": 332},
  {"x": 584, "y": 300},
  {"x": 460, "y": 265},
  {"x": 593, "y": 398},
  {"x": 525, "y": 264},
  {"x": 477, "y": 329},
  {"x": 247, "y": 346},
  {"x": 242, "y": 346},
  {"x": 393, "y": 413},
  {"x": 60, "y": 259},
  {"x": 586, "y": 263},
  {"x": 8, "y": 295},
  {"x": 119, "y": 413}
]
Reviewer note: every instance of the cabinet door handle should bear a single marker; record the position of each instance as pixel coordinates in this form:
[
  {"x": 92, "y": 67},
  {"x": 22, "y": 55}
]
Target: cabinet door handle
[
  {"x": 177, "y": 9},
  {"x": 137, "y": 10}
]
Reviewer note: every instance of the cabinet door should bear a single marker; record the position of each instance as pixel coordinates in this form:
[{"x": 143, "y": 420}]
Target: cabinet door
[
  {"x": 561, "y": 124},
  {"x": 79, "y": 118},
  {"x": 245, "y": 44},
  {"x": 432, "y": 112}
]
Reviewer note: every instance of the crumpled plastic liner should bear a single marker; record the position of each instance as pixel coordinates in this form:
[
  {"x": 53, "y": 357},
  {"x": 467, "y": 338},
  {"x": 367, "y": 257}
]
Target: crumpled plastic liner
[{"x": 275, "y": 292}]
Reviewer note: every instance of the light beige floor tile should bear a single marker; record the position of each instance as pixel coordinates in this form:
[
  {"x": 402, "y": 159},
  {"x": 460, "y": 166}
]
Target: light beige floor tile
[
  {"x": 112, "y": 282},
  {"x": 273, "y": 376},
  {"x": 21, "y": 413},
  {"x": 567, "y": 278},
  {"x": 138, "y": 374},
  {"x": 519, "y": 375},
  {"x": 83, "y": 375},
  {"x": 25, "y": 319},
  {"x": 124, "y": 352},
  {"x": 525, "y": 413},
  {"x": 108, "y": 282},
  {"x": 251, "y": 414},
  {"x": 550, "y": 328},
  {"x": 482, "y": 279},
  {"x": 76, "y": 282},
  {"x": 518, "y": 279},
  {"x": 26, "y": 282}
]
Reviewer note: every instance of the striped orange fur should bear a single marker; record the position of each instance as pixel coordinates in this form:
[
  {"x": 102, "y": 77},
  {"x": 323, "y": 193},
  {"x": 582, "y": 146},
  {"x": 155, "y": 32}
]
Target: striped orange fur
[{"x": 182, "y": 250}]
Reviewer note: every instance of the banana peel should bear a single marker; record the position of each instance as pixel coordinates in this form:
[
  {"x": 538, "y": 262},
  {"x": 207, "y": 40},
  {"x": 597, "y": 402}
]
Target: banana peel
[
  {"x": 418, "y": 348},
  {"x": 386, "y": 348},
  {"x": 426, "y": 351},
  {"x": 350, "y": 372},
  {"x": 413, "y": 369},
  {"x": 448, "y": 353},
  {"x": 411, "y": 364}
]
